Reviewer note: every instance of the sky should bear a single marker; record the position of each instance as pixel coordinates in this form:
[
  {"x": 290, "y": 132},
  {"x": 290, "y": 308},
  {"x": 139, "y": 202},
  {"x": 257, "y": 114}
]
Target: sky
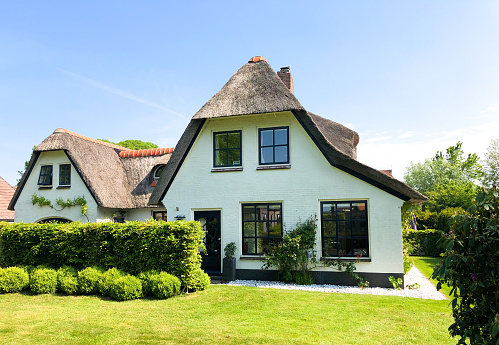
[{"x": 411, "y": 77}]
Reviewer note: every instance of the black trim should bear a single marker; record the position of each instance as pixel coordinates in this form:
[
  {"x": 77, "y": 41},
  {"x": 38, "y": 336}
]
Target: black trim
[
  {"x": 24, "y": 178},
  {"x": 273, "y": 129},
  {"x": 61, "y": 166},
  {"x": 227, "y": 149},
  {"x": 46, "y": 172},
  {"x": 266, "y": 225}
]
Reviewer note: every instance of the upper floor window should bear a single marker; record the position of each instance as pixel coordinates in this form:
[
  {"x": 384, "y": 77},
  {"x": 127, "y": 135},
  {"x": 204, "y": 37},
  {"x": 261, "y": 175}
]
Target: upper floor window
[
  {"x": 227, "y": 149},
  {"x": 65, "y": 174},
  {"x": 158, "y": 170},
  {"x": 273, "y": 145},
  {"x": 344, "y": 228},
  {"x": 45, "y": 178},
  {"x": 262, "y": 227}
]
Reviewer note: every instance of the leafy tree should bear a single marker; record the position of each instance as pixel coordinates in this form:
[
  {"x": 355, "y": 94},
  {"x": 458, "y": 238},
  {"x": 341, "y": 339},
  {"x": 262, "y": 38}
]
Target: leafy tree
[
  {"x": 491, "y": 166},
  {"x": 470, "y": 266},
  {"x": 451, "y": 195},
  {"x": 134, "y": 144}
]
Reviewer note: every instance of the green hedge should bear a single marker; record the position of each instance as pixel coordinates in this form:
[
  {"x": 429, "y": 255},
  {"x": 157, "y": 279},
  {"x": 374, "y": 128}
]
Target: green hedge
[
  {"x": 132, "y": 247},
  {"x": 422, "y": 242}
]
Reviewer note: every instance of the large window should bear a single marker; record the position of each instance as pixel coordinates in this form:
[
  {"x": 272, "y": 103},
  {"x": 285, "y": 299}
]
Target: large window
[
  {"x": 227, "y": 149},
  {"x": 262, "y": 227},
  {"x": 344, "y": 228},
  {"x": 45, "y": 178},
  {"x": 273, "y": 145},
  {"x": 65, "y": 174}
]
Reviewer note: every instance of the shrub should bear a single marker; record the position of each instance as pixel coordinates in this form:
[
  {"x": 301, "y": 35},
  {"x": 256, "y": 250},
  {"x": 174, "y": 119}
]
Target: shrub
[
  {"x": 125, "y": 288},
  {"x": 67, "y": 280},
  {"x": 408, "y": 261},
  {"x": 107, "y": 280},
  {"x": 146, "y": 282},
  {"x": 43, "y": 280},
  {"x": 422, "y": 242},
  {"x": 470, "y": 266},
  {"x": 13, "y": 279},
  {"x": 164, "y": 285},
  {"x": 88, "y": 280},
  {"x": 197, "y": 280}
]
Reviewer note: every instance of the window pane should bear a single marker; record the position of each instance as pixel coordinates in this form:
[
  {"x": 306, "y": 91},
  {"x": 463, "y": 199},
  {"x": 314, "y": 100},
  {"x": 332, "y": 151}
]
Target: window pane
[
  {"x": 261, "y": 212},
  {"x": 267, "y": 138},
  {"x": 281, "y": 154},
  {"x": 249, "y": 229},
  {"x": 343, "y": 211},
  {"x": 261, "y": 229},
  {"x": 221, "y": 141},
  {"x": 248, "y": 212},
  {"x": 275, "y": 229},
  {"x": 267, "y": 155},
  {"x": 359, "y": 210},
  {"x": 275, "y": 212},
  {"x": 220, "y": 157},
  {"x": 360, "y": 247},
  {"x": 344, "y": 246},
  {"x": 329, "y": 229},
  {"x": 234, "y": 140},
  {"x": 328, "y": 211},
  {"x": 235, "y": 157},
  {"x": 359, "y": 228},
  {"x": 281, "y": 136},
  {"x": 330, "y": 247},
  {"x": 344, "y": 229},
  {"x": 249, "y": 246}
]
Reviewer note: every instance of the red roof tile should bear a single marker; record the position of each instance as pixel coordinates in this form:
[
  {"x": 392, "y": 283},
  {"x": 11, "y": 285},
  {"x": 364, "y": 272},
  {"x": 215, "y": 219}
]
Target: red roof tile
[
  {"x": 257, "y": 59},
  {"x": 6, "y": 193},
  {"x": 145, "y": 153}
]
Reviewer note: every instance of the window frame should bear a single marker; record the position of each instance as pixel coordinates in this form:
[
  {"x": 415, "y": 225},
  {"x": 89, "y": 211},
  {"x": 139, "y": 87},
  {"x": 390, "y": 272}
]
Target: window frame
[
  {"x": 227, "y": 149},
  {"x": 348, "y": 239},
  {"x": 164, "y": 215},
  {"x": 260, "y": 130},
  {"x": 256, "y": 221},
  {"x": 157, "y": 168},
  {"x": 43, "y": 175},
  {"x": 68, "y": 174}
]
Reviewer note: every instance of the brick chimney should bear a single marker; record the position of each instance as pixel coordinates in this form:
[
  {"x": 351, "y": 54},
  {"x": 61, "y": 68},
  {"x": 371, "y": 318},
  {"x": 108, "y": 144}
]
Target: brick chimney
[{"x": 287, "y": 78}]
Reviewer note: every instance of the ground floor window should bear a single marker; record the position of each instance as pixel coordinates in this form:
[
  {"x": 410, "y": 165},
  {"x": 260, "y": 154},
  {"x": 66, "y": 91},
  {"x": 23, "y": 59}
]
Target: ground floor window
[
  {"x": 159, "y": 215},
  {"x": 262, "y": 227},
  {"x": 344, "y": 228}
]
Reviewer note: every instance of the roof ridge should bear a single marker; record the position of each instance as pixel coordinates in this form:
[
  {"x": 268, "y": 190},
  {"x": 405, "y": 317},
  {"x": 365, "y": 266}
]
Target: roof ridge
[
  {"x": 92, "y": 140},
  {"x": 146, "y": 152}
]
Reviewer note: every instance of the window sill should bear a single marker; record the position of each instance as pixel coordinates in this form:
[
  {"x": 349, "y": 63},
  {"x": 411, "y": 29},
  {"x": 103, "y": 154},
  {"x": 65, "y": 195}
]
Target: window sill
[
  {"x": 344, "y": 259},
  {"x": 227, "y": 169},
  {"x": 63, "y": 187},
  {"x": 273, "y": 167},
  {"x": 44, "y": 187},
  {"x": 253, "y": 258}
]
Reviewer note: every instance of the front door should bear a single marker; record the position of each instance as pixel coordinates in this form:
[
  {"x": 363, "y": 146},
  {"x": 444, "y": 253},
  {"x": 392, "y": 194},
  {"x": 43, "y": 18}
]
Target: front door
[{"x": 210, "y": 221}]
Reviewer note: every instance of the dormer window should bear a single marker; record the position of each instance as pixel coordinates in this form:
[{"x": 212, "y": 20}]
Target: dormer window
[
  {"x": 274, "y": 145},
  {"x": 157, "y": 171},
  {"x": 65, "y": 175},
  {"x": 45, "y": 178},
  {"x": 227, "y": 149}
]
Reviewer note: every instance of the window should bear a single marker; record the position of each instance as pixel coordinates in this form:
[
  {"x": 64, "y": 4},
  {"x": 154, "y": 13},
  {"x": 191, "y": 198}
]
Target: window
[
  {"x": 158, "y": 170},
  {"x": 262, "y": 227},
  {"x": 344, "y": 228},
  {"x": 65, "y": 174},
  {"x": 273, "y": 145},
  {"x": 45, "y": 178},
  {"x": 227, "y": 149},
  {"x": 159, "y": 215}
]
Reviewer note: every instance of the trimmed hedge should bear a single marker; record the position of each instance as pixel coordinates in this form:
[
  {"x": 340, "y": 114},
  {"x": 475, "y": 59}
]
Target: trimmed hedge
[
  {"x": 13, "y": 279},
  {"x": 67, "y": 280},
  {"x": 88, "y": 280},
  {"x": 164, "y": 285},
  {"x": 43, "y": 280},
  {"x": 125, "y": 288},
  {"x": 132, "y": 247},
  {"x": 422, "y": 242}
]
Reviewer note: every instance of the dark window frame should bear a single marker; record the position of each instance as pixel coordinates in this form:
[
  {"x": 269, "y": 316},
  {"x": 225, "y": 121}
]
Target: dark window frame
[
  {"x": 260, "y": 146},
  {"x": 164, "y": 215},
  {"x": 157, "y": 168},
  {"x": 66, "y": 175},
  {"x": 351, "y": 221},
  {"x": 255, "y": 221},
  {"x": 45, "y": 177},
  {"x": 227, "y": 149}
]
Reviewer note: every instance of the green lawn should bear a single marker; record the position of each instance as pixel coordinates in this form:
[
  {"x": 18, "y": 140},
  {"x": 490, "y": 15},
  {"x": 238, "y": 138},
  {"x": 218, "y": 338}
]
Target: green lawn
[
  {"x": 227, "y": 315},
  {"x": 425, "y": 265}
]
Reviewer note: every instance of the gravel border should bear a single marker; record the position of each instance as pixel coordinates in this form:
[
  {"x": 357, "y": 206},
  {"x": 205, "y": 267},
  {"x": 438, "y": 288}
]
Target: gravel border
[{"x": 425, "y": 291}]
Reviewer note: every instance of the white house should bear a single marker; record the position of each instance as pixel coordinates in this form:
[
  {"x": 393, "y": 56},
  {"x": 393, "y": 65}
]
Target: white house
[{"x": 253, "y": 162}]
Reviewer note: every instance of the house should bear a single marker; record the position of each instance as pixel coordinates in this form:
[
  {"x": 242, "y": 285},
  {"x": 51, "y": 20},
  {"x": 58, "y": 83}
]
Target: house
[
  {"x": 250, "y": 165},
  {"x": 6, "y": 192},
  {"x": 115, "y": 182},
  {"x": 253, "y": 162}
]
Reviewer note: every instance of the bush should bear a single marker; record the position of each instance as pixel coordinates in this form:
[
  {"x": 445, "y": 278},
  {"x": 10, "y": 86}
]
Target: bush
[
  {"x": 437, "y": 220},
  {"x": 125, "y": 288},
  {"x": 146, "y": 283},
  {"x": 67, "y": 280},
  {"x": 13, "y": 279},
  {"x": 88, "y": 280},
  {"x": 43, "y": 280},
  {"x": 197, "y": 280},
  {"x": 422, "y": 242},
  {"x": 164, "y": 285},
  {"x": 107, "y": 280},
  {"x": 470, "y": 266}
]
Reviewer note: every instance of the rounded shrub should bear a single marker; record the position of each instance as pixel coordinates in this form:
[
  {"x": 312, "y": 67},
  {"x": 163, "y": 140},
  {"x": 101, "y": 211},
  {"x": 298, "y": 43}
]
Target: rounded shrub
[
  {"x": 107, "y": 279},
  {"x": 43, "y": 280},
  {"x": 145, "y": 278},
  {"x": 88, "y": 280},
  {"x": 164, "y": 285},
  {"x": 13, "y": 279},
  {"x": 67, "y": 280},
  {"x": 196, "y": 280},
  {"x": 125, "y": 288}
]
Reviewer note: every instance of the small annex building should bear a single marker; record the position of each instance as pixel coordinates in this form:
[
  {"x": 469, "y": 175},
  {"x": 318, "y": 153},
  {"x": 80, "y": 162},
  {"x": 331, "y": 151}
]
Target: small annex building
[
  {"x": 251, "y": 164},
  {"x": 6, "y": 193}
]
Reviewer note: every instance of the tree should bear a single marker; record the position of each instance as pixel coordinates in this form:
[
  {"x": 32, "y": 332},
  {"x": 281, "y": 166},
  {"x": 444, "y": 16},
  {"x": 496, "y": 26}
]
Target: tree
[
  {"x": 491, "y": 165},
  {"x": 134, "y": 144}
]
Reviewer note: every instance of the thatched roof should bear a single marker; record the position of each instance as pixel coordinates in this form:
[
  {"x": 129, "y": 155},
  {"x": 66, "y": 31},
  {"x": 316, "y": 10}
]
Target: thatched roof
[
  {"x": 114, "y": 182},
  {"x": 256, "y": 89},
  {"x": 6, "y": 193}
]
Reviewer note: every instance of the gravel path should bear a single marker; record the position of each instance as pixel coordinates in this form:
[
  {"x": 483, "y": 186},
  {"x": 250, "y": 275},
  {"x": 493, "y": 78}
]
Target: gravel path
[{"x": 425, "y": 291}]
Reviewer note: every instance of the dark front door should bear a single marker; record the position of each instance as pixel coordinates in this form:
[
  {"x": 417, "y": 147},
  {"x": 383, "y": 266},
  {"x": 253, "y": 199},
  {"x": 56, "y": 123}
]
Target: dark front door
[{"x": 210, "y": 221}]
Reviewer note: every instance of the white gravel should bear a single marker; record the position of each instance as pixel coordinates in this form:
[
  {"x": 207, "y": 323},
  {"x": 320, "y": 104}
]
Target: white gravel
[{"x": 425, "y": 291}]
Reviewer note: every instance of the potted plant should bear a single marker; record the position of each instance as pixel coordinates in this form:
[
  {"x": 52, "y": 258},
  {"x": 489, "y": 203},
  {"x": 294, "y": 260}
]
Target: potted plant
[{"x": 229, "y": 263}]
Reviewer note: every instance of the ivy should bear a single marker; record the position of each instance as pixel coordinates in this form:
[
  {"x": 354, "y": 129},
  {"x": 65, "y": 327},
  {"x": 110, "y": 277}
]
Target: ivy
[{"x": 77, "y": 201}]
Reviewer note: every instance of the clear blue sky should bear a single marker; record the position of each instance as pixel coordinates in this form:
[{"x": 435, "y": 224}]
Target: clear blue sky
[{"x": 411, "y": 77}]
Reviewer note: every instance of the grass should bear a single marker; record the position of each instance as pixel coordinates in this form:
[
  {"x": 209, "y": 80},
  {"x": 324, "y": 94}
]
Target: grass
[
  {"x": 226, "y": 315},
  {"x": 425, "y": 265}
]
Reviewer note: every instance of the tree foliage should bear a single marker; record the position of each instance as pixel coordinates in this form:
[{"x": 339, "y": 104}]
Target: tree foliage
[
  {"x": 491, "y": 165},
  {"x": 134, "y": 144},
  {"x": 470, "y": 266}
]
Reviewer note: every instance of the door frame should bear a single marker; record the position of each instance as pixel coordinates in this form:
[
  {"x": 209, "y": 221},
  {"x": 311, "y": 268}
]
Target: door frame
[{"x": 219, "y": 210}]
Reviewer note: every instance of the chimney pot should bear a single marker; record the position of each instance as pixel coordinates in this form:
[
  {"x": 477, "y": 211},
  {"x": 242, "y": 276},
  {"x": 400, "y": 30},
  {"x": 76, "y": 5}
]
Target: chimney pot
[{"x": 287, "y": 78}]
